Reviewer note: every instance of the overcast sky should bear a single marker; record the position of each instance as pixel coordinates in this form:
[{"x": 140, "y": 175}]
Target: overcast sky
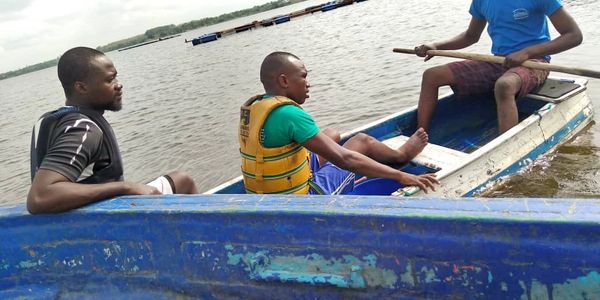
[{"x": 34, "y": 31}]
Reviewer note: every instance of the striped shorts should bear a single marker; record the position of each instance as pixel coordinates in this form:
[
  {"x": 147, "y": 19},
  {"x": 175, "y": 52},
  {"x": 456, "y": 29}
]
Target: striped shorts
[{"x": 479, "y": 78}]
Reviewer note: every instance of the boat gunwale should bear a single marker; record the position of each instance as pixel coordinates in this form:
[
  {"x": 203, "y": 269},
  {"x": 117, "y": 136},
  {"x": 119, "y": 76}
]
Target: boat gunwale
[{"x": 553, "y": 210}]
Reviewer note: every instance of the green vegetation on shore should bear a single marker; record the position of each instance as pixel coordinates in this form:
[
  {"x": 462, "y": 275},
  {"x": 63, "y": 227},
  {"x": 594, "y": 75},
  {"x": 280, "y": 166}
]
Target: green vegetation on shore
[
  {"x": 162, "y": 31},
  {"x": 29, "y": 69}
]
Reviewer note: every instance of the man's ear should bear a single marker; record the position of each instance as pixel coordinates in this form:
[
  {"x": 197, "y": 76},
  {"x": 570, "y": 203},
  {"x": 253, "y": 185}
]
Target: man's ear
[
  {"x": 282, "y": 80},
  {"x": 80, "y": 87}
]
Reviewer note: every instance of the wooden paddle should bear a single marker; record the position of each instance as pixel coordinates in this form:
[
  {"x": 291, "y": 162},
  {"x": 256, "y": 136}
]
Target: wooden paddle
[{"x": 500, "y": 60}]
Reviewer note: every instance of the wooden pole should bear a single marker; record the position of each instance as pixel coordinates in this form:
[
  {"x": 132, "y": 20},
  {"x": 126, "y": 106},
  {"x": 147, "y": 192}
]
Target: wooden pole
[{"x": 500, "y": 60}]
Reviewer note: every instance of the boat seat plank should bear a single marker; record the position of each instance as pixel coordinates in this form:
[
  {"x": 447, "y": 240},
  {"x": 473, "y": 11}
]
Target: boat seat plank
[
  {"x": 433, "y": 156},
  {"x": 554, "y": 90}
]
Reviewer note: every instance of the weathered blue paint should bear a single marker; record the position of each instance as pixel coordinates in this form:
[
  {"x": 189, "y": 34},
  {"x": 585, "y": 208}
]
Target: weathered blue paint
[
  {"x": 345, "y": 272},
  {"x": 251, "y": 246}
]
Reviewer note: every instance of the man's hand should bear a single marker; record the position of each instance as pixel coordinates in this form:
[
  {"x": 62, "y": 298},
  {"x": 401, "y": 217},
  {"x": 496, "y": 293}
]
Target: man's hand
[
  {"x": 516, "y": 59},
  {"x": 141, "y": 189},
  {"x": 421, "y": 51},
  {"x": 424, "y": 182}
]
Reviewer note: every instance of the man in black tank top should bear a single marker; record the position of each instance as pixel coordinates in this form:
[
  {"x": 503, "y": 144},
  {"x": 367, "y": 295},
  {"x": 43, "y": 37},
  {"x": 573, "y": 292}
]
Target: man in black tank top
[{"x": 75, "y": 158}]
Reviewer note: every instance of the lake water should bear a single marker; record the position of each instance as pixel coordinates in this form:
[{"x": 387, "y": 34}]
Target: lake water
[{"x": 181, "y": 103}]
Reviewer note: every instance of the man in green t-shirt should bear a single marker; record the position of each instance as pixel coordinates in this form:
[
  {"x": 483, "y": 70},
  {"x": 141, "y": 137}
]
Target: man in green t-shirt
[{"x": 332, "y": 165}]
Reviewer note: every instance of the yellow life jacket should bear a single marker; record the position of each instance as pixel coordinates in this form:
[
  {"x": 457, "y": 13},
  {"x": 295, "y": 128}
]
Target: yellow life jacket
[{"x": 280, "y": 170}]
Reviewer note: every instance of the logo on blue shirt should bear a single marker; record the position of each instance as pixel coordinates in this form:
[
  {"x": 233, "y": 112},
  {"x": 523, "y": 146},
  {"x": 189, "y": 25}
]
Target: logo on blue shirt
[{"x": 520, "y": 14}]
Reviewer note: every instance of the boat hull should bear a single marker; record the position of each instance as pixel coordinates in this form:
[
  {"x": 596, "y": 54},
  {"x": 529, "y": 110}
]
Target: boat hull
[
  {"x": 281, "y": 19},
  {"x": 243, "y": 246}
]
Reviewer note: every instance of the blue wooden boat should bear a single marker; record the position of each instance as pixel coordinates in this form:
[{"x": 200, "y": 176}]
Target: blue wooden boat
[
  {"x": 329, "y": 6},
  {"x": 281, "y": 19},
  {"x": 465, "y": 150},
  {"x": 310, "y": 247},
  {"x": 205, "y": 38}
]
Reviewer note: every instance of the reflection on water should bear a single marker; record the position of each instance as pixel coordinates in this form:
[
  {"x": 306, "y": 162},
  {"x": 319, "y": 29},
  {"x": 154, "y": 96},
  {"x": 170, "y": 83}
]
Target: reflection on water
[{"x": 181, "y": 103}]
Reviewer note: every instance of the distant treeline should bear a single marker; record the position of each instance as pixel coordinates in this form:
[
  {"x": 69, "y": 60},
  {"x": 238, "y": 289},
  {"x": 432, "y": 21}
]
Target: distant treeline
[{"x": 162, "y": 31}]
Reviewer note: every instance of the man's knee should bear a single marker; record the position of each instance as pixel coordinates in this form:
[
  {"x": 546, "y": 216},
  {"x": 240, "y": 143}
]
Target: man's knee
[
  {"x": 437, "y": 76},
  {"x": 361, "y": 143},
  {"x": 332, "y": 134},
  {"x": 507, "y": 86},
  {"x": 363, "y": 138},
  {"x": 184, "y": 183}
]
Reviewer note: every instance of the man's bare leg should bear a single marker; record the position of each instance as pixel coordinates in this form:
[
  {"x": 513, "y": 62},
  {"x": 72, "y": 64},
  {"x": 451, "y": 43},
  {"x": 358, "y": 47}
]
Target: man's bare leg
[
  {"x": 433, "y": 79},
  {"x": 184, "y": 184},
  {"x": 332, "y": 134},
  {"x": 505, "y": 90},
  {"x": 415, "y": 144},
  {"x": 380, "y": 152}
]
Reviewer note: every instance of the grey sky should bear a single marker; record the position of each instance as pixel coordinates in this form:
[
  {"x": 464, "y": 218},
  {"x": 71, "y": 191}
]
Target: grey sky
[{"x": 33, "y": 31}]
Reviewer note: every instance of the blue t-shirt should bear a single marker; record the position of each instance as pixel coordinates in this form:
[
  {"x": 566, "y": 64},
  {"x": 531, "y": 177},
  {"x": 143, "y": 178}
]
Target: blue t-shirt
[{"x": 514, "y": 25}]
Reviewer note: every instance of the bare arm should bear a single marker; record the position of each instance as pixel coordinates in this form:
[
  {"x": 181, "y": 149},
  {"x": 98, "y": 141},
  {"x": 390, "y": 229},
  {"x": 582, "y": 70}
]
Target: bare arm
[
  {"x": 570, "y": 36},
  {"x": 359, "y": 163},
  {"x": 463, "y": 40},
  {"x": 51, "y": 192}
]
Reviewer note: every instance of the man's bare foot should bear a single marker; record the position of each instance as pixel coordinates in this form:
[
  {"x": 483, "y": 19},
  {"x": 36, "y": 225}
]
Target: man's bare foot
[{"x": 414, "y": 145}]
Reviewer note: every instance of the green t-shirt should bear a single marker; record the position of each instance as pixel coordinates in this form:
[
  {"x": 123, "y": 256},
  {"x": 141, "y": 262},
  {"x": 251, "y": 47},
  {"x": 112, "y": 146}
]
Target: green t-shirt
[{"x": 286, "y": 124}]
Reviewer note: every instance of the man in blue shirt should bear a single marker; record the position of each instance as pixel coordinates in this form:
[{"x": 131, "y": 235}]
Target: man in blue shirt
[{"x": 519, "y": 31}]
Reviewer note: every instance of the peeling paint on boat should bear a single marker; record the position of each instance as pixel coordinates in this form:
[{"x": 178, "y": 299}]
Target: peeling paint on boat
[{"x": 346, "y": 272}]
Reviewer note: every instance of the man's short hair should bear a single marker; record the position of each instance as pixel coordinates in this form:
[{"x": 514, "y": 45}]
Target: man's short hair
[
  {"x": 74, "y": 65},
  {"x": 273, "y": 65}
]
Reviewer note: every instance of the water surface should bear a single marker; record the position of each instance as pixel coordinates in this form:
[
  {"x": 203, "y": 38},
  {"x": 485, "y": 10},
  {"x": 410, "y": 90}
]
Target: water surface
[{"x": 181, "y": 103}]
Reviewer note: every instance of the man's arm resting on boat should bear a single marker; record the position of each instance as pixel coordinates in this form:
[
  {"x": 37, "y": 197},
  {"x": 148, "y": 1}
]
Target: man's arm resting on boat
[
  {"x": 51, "y": 192},
  {"x": 354, "y": 161},
  {"x": 570, "y": 36}
]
